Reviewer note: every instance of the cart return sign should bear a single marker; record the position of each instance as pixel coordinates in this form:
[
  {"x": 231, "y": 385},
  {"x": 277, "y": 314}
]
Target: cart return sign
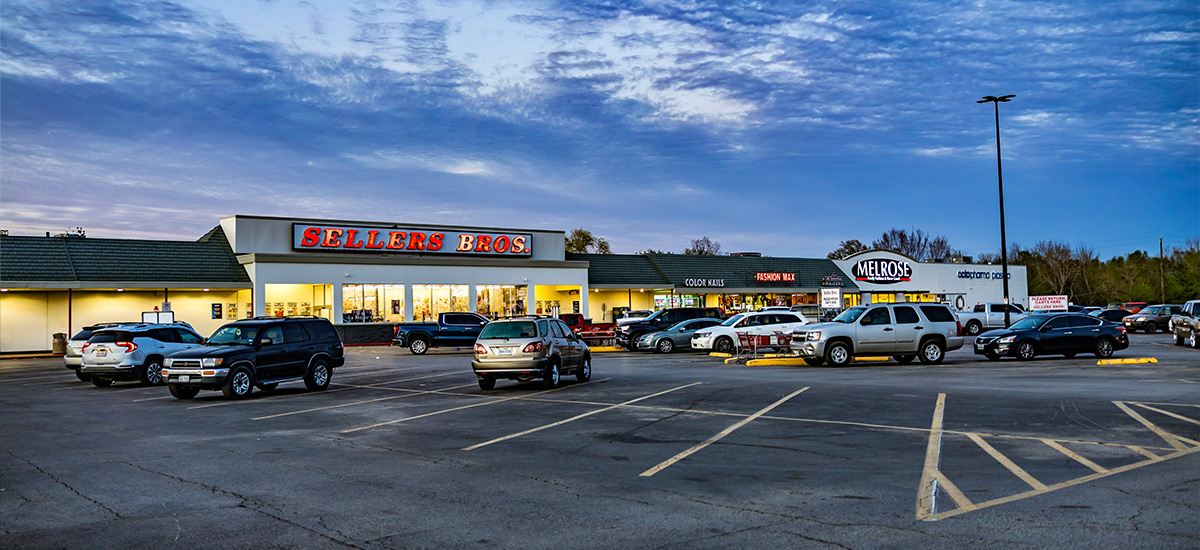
[{"x": 1048, "y": 303}]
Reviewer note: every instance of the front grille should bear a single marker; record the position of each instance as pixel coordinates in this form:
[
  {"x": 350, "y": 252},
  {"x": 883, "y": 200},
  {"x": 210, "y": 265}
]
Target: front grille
[
  {"x": 178, "y": 364},
  {"x": 983, "y": 340}
]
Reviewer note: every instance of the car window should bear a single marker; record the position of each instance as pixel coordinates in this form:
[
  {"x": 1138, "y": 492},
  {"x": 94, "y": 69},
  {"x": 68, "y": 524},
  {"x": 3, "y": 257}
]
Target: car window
[
  {"x": 320, "y": 330},
  {"x": 111, "y": 336},
  {"x": 937, "y": 314},
  {"x": 274, "y": 333},
  {"x": 165, "y": 335},
  {"x": 82, "y": 335},
  {"x": 189, "y": 337},
  {"x": 566, "y": 330},
  {"x": 543, "y": 328},
  {"x": 877, "y": 316},
  {"x": 514, "y": 329},
  {"x": 1085, "y": 321},
  {"x": 293, "y": 332},
  {"x": 1058, "y": 322},
  {"x": 702, "y": 324},
  {"x": 788, "y": 318},
  {"x": 906, "y": 315},
  {"x": 557, "y": 331}
]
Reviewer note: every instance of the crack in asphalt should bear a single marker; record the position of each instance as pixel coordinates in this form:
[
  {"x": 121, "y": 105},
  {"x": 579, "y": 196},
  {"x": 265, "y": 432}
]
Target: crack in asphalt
[{"x": 65, "y": 484}]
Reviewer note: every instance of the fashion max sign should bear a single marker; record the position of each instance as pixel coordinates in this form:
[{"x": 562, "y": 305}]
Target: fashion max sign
[
  {"x": 881, "y": 271},
  {"x": 410, "y": 241}
]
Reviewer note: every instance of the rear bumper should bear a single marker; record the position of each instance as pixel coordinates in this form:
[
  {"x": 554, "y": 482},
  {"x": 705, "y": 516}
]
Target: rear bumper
[
  {"x": 110, "y": 372},
  {"x": 511, "y": 368}
]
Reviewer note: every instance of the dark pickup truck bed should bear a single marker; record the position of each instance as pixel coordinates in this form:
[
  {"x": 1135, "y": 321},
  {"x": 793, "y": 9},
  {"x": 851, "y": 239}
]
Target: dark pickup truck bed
[{"x": 452, "y": 330}]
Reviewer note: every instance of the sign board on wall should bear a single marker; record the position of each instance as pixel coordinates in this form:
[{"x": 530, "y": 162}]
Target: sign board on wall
[
  {"x": 831, "y": 298},
  {"x": 1048, "y": 303},
  {"x": 401, "y": 240},
  {"x": 775, "y": 277},
  {"x": 882, "y": 271},
  {"x": 707, "y": 283}
]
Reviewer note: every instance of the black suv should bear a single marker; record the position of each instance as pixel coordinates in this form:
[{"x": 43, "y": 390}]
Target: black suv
[
  {"x": 627, "y": 335},
  {"x": 263, "y": 352}
]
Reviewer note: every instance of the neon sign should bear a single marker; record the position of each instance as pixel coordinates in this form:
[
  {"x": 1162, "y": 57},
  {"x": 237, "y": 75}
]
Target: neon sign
[{"x": 399, "y": 240}]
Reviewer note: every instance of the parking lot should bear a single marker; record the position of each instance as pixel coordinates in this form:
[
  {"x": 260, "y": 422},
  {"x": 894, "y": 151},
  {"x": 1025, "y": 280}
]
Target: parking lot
[{"x": 656, "y": 451}]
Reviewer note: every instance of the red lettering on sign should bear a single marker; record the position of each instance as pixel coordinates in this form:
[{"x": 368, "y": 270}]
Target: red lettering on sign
[
  {"x": 501, "y": 244},
  {"x": 350, "y": 242},
  {"x": 371, "y": 240},
  {"x": 484, "y": 244},
  {"x": 396, "y": 239},
  {"x": 416, "y": 241},
  {"x": 435, "y": 241},
  {"x": 465, "y": 242},
  {"x": 518, "y": 245},
  {"x": 332, "y": 236},
  {"x": 311, "y": 234}
]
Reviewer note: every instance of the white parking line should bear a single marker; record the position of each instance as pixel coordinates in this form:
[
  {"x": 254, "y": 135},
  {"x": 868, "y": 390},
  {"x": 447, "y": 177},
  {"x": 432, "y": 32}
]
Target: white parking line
[{"x": 348, "y": 387}]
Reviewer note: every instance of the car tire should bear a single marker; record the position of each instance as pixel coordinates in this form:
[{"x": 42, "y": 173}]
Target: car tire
[
  {"x": 1104, "y": 347},
  {"x": 318, "y": 376},
  {"x": 814, "y": 361},
  {"x": 1151, "y": 328},
  {"x": 239, "y": 384},
  {"x": 974, "y": 328},
  {"x": 152, "y": 372},
  {"x": 101, "y": 382},
  {"x": 665, "y": 345},
  {"x": 1026, "y": 350},
  {"x": 838, "y": 354},
  {"x": 992, "y": 356},
  {"x": 932, "y": 352},
  {"x": 724, "y": 344},
  {"x": 418, "y": 345},
  {"x": 85, "y": 378},
  {"x": 583, "y": 373},
  {"x": 487, "y": 383},
  {"x": 550, "y": 377},
  {"x": 1177, "y": 338},
  {"x": 268, "y": 387},
  {"x": 183, "y": 392},
  {"x": 1193, "y": 341},
  {"x": 633, "y": 338},
  {"x": 904, "y": 359}
]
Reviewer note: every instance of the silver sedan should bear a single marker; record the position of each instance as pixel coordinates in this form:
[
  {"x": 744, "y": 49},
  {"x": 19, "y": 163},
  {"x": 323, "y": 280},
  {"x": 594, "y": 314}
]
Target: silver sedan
[{"x": 678, "y": 336}]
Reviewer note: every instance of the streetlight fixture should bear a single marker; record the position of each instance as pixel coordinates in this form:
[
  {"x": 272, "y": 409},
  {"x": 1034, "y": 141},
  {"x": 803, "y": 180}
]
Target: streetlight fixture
[{"x": 996, "y": 101}]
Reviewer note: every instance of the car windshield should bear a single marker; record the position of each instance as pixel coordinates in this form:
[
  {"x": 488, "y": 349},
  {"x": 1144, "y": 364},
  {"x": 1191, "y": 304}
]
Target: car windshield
[
  {"x": 1152, "y": 310},
  {"x": 107, "y": 336},
  {"x": 1027, "y": 323},
  {"x": 850, "y": 315},
  {"x": 515, "y": 329},
  {"x": 234, "y": 335},
  {"x": 733, "y": 320}
]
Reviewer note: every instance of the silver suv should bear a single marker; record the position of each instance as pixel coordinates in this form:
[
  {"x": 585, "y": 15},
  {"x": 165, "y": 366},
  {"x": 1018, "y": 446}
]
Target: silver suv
[
  {"x": 528, "y": 348},
  {"x": 904, "y": 331},
  {"x": 134, "y": 352}
]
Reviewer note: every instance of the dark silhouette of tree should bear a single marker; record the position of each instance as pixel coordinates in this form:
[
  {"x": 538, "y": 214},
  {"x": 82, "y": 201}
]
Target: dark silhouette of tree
[
  {"x": 847, "y": 249},
  {"x": 703, "y": 247},
  {"x": 581, "y": 241}
]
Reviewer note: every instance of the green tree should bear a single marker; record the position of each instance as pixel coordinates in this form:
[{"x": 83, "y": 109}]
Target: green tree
[
  {"x": 703, "y": 247},
  {"x": 847, "y": 249},
  {"x": 581, "y": 241}
]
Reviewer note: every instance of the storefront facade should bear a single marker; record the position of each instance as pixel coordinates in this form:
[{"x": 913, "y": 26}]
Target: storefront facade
[{"x": 885, "y": 276}]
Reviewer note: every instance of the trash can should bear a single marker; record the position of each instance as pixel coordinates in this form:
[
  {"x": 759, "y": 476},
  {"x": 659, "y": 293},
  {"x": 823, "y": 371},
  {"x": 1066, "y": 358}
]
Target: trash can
[{"x": 60, "y": 343}]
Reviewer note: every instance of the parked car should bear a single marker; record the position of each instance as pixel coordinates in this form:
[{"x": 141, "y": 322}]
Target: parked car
[
  {"x": 529, "y": 348},
  {"x": 1132, "y": 307},
  {"x": 1151, "y": 318},
  {"x": 991, "y": 315},
  {"x": 904, "y": 331},
  {"x": 633, "y": 316},
  {"x": 452, "y": 330},
  {"x": 723, "y": 338},
  {"x": 1112, "y": 315},
  {"x": 262, "y": 352},
  {"x": 675, "y": 337},
  {"x": 74, "y": 356},
  {"x": 1185, "y": 325},
  {"x": 627, "y": 334},
  {"x": 1066, "y": 334},
  {"x": 134, "y": 352}
]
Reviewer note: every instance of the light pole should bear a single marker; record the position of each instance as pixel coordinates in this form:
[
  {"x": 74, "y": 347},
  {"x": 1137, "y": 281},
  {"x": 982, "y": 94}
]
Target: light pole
[{"x": 996, "y": 101}]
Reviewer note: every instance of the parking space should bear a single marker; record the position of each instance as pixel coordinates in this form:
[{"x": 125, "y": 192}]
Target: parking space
[{"x": 665, "y": 450}]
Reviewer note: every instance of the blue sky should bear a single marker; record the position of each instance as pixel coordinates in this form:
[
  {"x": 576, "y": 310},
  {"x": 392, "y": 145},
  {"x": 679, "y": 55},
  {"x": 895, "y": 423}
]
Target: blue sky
[{"x": 779, "y": 127}]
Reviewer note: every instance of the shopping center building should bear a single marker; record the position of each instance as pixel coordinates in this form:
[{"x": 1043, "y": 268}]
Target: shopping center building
[{"x": 364, "y": 276}]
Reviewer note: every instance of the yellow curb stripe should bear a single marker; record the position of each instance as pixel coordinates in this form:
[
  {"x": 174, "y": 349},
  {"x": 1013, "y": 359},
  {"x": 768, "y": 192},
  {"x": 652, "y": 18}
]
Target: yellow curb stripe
[
  {"x": 775, "y": 362},
  {"x": 605, "y": 349},
  {"x": 668, "y": 462},
  {"x": 1012, "y": 466},
  {"x": 1136, "y": 361},
  {"x": 732, "y": 360},
  {"x": 719, "y": 354},
  {"x": 929, "y": 474},
  {"x": 1169, "y": 438},
  {"x": 872, "y": 359},
  {"x": 1075, "y": 456}
]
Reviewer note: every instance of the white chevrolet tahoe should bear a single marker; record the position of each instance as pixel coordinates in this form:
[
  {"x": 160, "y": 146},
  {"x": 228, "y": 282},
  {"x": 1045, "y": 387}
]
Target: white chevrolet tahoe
[{"x": 905, "y": 331}]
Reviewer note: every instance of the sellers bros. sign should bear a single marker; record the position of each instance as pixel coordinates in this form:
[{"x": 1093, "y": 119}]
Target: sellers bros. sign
[
  {"x": 882, "y": 271},
  {"x": 401, "y": 240}
]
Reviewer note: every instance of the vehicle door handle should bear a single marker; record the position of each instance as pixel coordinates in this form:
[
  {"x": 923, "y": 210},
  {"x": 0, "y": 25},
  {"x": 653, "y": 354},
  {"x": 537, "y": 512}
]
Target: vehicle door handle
[
  {"x": 888, "y": 329},
  {"x": 1068, "y": 332},
  {"x": 1095, "y": 330},
  {"x": 918, "y": 328}
]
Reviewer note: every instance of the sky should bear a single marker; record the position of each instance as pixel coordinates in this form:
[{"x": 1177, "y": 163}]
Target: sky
[{"x": 777, "y": 127}]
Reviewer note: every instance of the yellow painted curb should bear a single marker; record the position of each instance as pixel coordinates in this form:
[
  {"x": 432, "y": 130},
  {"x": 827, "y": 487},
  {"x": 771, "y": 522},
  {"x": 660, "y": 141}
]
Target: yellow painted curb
[
  {"x": 771, "y": 355},
  {"x": 776, "y": 362},
  {"x": 716, "y": 354},
  {"x": 1126, "y": 361},
  {"x": 872, "y": 358},
  {"x": 733, "y": 360},
  {"x": 603, "y": 349}
]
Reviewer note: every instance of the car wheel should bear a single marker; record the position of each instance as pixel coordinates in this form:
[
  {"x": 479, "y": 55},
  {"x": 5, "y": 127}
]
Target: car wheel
[
  {"x": 318, "y": 375},
  {"x": 838, "y": 354},
  {"x": 1026, "y": 350},
  {"x": 550, "y": 377},
  {"x": 84, "y": 378},
  {"x": 633, "y": 338},
  {"x": 932, "y": 352},
  {"x": 1104, "y": 347},
  {"x": 183, "y": 392},
  {"x": 238, "y": 385},
  {"x": 584, "y": 372},
  {"x": 418, "y": 346},
  {"x": 268, "y": 387},
  {"x": 152, "y": 374},
  {"x": 992, "y": 357},
  {"x": 723, "y": 344},
  {"x": 1178, "y": 341},
  {"x": 1151, "y": 328},
  {"x": 1193, "y": 341},
  {"x": 974, "y": 328},
  {"x": 101, "y": 382},
  {"x": 814, "y": 362},
  {"x": 666, "y": 345},
  {"x": 904, "y": 359},
  {"x": 487, "y": 383}
]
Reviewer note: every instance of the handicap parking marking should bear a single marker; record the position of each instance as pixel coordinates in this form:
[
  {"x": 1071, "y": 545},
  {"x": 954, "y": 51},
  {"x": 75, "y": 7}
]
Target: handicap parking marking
[
  {"x": 492, "y": 402},
  {"x": 411, "y": 393},
  {"x": 699, "y": 446},
  {"x": 576, "y": 417},
  {"x": 344, "y": 387}
]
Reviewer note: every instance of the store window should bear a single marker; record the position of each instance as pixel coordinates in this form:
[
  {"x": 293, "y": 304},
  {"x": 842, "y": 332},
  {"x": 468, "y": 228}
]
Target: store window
[
  {"x": 430, "y": 300},
  {"x": 677, "y": 300},
  {"x": 496, "y": 301},
  {"x": 372, "y": 303}
]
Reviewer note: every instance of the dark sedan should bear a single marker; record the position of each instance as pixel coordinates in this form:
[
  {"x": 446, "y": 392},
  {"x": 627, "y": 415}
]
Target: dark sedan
[
  {"x": 1112, "y": 315},
  {"x": 1152, "y": 318},
  {"x": 1053, "y": 334}
]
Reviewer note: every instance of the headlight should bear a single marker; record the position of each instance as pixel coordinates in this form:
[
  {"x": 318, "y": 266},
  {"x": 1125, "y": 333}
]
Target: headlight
[
  {"x": 814, "y": 335},
  {"x": 167, "y": 362},
  {"x": 212, "y": 361},
  {"x": 700, "y": 334},
  {"x": 1007, "y": 339}
]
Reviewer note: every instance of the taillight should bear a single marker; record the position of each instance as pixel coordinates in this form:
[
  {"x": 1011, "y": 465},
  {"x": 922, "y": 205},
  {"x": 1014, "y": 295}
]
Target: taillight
[
  {"x": 129, "y": 346},
  {"x": 395, "y": 329},
  {"x": 479, "y": 349},
  {"x": 1121, "y": 328},
  {"x": 959, "y": 327},
  {"x": 85, "y": 345},
  {"x": 533, "y": 347}
]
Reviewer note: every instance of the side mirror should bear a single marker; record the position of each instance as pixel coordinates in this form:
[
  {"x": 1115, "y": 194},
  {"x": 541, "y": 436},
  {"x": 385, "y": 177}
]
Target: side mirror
[{"x": 866, "y": 321}]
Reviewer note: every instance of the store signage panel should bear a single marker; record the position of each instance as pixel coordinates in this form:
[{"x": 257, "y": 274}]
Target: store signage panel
[
  {"x": 833, "y": 279},
  {"x": 831, "y": 298},
  {"x": 775, "y": 277},
  {"x": 882, "y": 271},
  {"x": 705, "y": 283},
  {"x": 969, "y": 274},
  {"x": 400, "y": 240},
  {"x": 1048, "y": 303}
]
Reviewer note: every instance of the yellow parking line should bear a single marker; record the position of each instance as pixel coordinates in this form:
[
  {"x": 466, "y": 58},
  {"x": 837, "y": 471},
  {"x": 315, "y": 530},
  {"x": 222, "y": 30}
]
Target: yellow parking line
[
  {"x": 1142, "y": 451},
  {"x": 574, "y": 418},
  {"x": 668, "y": 462},
  {"x": 390, "y": 397},
  {"x": 348, "y": 387},
  {"x": 467, "y": 407},
  {"x": 153, "y": 398},
  {"x": 1171, "y": 439},
  {"x": 929, "y": 474},
  {"x": 1012, "y": 467},
  {"x": 956, "y": 495},
  {"x": 1075, "y": 456},
  {"x": 1170, "y": 414}
]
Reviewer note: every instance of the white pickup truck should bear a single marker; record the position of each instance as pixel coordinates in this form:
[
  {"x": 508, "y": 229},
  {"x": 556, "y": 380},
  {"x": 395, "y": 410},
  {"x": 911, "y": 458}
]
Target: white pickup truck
[{"x": 989, "y": 316}]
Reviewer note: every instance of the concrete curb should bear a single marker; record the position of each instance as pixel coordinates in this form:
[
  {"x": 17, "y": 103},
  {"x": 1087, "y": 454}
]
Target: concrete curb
[{"x": 1127, "y": 361}]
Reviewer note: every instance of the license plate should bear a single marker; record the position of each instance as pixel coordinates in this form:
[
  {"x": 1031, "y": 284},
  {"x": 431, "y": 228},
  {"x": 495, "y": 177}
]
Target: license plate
[
  {"x": 185, "y": 378},
  {"x": 101, "y": 352},
  {"x": 504, "y": 351}
]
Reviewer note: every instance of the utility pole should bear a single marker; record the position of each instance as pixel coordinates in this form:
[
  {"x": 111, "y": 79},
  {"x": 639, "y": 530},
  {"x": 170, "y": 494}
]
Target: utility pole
[{"x": 1162, "y": 279}]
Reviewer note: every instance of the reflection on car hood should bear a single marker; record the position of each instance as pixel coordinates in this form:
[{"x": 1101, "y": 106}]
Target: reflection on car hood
[
  {"x": 818, "y": 326},
  {"x": 210, "y": 351}
]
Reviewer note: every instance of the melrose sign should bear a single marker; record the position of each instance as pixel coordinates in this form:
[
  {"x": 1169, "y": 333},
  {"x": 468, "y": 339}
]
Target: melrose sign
[
  {"x": 400, "y": 240},
  {"x": 881, "y": 271}
]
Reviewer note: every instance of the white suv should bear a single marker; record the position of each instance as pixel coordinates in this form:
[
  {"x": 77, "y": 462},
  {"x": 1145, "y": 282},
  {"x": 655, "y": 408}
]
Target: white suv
[
  {"x": 134, "y": 352},
  {"x": 723, "y": 338},
  {"x": 904, "y": 331}
]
